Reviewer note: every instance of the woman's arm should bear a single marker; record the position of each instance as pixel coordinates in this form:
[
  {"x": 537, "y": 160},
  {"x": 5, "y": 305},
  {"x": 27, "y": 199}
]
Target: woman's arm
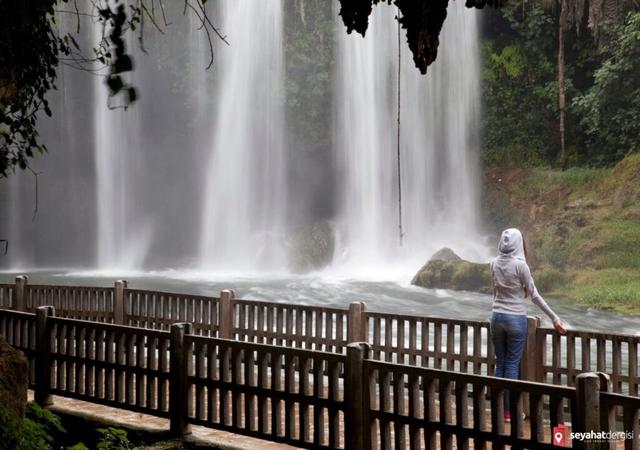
[{"x": 530, "y": 287}]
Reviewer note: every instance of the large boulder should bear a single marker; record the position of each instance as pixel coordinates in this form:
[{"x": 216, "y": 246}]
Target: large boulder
[
  {"x": 445, "y": 254},
  {"x": 311, "y": 247},
  {"x": 446, "y": 270},
  {"x": 14, "y": 370}
]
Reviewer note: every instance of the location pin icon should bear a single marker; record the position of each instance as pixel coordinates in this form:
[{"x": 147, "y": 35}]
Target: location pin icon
[{"x": 558, "y": 437}]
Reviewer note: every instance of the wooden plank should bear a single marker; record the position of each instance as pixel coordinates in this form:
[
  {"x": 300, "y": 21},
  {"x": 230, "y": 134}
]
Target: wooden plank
[
  {"x": 633, "y": 368},
  {"x": 616, "y": 365},
  {"x": 536, "y": 418},
  {"x": 304, "y": 422},
  {"x": 450, "y": 351},
  {"x": 444, "y": 395},
  {"x": 632, "y": 423},
  {"x": 385, "y": 405},
  {"x": 477, "y": 349},
  {"x": 318, "y": 387},
  {"x": 463, "y": 350},
  {"x": 437, "y": 345},
  {"x": 400, "y": 342},
  {"x": 414, "y": 411},
  {"x": 400, "y": 438},
  {"x": 571, "y": 360},
  {"x": 556, "y": 362},
  {"x": 462, "y": 413},
  {"x": 388, "y": 340},
  {"x": 263, "y": 405}
]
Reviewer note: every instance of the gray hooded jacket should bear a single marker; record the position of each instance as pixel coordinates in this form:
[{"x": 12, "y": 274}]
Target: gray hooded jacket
[{"x": 512, "y": 279}]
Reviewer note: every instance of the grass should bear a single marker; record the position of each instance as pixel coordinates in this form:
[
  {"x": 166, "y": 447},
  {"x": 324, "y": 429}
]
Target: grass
[
  {"x": 611, "y": 289},
  {"x": 622, "y": 243},
  {"x": 581, "y": 177},
  {"x": 585, "y": 229}
]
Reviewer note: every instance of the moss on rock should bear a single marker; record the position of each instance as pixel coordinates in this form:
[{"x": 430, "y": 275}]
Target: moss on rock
[{"x": 444, "y": 271}]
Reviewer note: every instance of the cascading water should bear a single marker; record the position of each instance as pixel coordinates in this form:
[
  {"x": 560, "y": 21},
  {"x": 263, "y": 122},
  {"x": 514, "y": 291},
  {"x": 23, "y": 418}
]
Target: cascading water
[
  {"x": 245, "y": 199},
  {"x": 438, "y": 137},
  {"x": 123, "y": 232},
  {"x": 196, "y": 174}
]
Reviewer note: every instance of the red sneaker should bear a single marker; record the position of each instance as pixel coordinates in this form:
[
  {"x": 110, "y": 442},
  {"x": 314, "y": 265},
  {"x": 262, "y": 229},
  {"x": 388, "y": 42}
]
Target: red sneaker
[{"x": 507, "y": 417}]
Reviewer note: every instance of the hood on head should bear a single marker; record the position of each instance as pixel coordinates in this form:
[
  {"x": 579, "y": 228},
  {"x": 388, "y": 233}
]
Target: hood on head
[{"x": 511, "y": 243}]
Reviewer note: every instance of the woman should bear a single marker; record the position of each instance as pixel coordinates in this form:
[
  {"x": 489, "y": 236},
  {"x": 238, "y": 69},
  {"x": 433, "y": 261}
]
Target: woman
[{"x": 513, "y": 283}]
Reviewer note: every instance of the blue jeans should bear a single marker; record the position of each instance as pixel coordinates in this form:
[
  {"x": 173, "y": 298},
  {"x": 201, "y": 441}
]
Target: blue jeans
[{"x": 509, "y": 333}]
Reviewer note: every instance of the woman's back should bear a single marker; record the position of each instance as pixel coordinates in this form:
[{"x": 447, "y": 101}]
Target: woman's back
[{"x": 512, "y": 278}]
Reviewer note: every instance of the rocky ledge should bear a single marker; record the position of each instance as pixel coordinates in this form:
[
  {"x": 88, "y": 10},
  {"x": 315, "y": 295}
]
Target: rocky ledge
[{"x": 446, "y": 270}]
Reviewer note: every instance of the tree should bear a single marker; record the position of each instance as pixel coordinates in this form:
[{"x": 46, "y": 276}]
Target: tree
[
  {"x": 610, "y": 108},
  {"x": 31, "y": 50},
  {"x": 572, "y": 13}
]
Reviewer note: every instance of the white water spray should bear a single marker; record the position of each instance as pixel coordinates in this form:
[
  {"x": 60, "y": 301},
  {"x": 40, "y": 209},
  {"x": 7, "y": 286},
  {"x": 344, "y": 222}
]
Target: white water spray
[
  {"x": 439, "y": 126},
  {"x": 245, "y": 188}
]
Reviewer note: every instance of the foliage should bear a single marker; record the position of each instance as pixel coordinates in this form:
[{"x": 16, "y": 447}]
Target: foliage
[
  {"x": 28, "y": 60},
  {"x": 519, "y": 88},
  {"x": 610, "y": 109},
  {"x": 309, "y": 65},
  {"x": 615, "y": 289},
  {"x": 549, "y": 279},
  {"x": 31, "y": 48},
  {"x": 36, "y": 431},
  {"x": 113, "y": 439}
]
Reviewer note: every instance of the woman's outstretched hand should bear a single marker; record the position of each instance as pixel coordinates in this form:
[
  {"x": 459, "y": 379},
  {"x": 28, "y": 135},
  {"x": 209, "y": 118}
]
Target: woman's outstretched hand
[{"x": 560, "y": 326}]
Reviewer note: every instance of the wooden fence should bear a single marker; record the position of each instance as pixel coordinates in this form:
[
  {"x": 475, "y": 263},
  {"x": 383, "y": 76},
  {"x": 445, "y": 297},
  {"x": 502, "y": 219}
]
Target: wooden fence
[
  {"x": 306, "y": 398},
  {"x": 425, "y": 341}
]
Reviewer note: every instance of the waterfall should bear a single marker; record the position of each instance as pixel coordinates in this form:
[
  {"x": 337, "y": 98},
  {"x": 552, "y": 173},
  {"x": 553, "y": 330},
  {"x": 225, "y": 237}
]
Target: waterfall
[
  {"x": 123, "y": 234},
  {"x": 439, "y": 128},
  {"x": 245, "y": 197},
  {"x": 199, "y": 172}
]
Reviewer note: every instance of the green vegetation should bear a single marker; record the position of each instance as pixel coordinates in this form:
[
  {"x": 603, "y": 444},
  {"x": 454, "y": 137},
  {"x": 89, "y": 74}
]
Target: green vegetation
[
  {"x": 582, "y": 228},
  {"x": 613, "y": 289},
  {"x": 36, "y": 431},
  {"x": 520, "y": 89},
  {"x": 41, "y": 429}
]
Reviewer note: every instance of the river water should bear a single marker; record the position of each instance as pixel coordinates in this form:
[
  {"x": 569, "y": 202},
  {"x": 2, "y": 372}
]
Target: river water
[{"x": 326, "y": 289}]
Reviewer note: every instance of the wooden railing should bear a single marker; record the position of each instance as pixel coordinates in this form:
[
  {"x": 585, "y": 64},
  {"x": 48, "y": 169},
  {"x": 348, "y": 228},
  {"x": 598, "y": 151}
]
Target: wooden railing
[
  {"x": 425, "y": 341},
  {"x": 85, "y": 303},
  {"x": 564, "y": 357},
  {"x": 277, "y": 393},
  {"x": 414, "y": 407},
  {"x": 440, "y": 343},
  {"x": 158, "y": 310},
  {"x": 6, "y": 295},
  {"x": 19, "y": 330},
  {"x": 308, "y": 327},
  {"x": 626, "y": 420},
  {"x": 302, "y": 397}
]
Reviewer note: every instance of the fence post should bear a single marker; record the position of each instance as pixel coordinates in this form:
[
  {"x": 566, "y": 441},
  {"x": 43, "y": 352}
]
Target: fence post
[
  {"x": 225, "y": 321},
  {"x": 357, "y": 435},
  {"x": 19, "y": 297},
  {"x": 178, "y": 373},
  {"x": 357, "y": 322},
  {"x": 119, "y": 312},
  {"x": 588, "y": 408},
  {"x": 607, "y": 416},
  {"x": 531, "y": 360},
  {"x": 42, "y": 394},
  {"x": 529, "y": 366}
]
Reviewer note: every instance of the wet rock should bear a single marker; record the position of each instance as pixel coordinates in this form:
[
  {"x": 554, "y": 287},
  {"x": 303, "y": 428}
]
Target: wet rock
[
  {"x": 311, "y": 247},
  {"x": 14, "y": 369},
  {"x": 453, "y": 273},
  {"x": 445, "y": 254}
]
